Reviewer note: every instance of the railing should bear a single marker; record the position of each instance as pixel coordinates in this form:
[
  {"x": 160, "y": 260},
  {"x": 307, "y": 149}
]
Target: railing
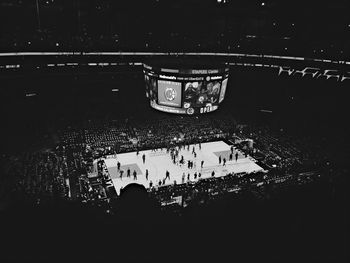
[{"x": 212, "y": 54}]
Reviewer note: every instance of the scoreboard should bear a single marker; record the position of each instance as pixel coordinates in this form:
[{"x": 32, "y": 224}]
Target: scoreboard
[{"x": 185, "y": 90}]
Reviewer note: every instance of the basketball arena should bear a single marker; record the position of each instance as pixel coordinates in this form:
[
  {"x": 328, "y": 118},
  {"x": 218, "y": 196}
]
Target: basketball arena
[
  {"x": 158, "y": 161},
  {"x": 174, "y": 131}
]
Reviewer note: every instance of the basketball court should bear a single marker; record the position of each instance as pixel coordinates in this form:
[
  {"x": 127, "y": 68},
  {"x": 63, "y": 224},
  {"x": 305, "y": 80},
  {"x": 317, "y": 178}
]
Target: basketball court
[{"x": 157, "y": 162}]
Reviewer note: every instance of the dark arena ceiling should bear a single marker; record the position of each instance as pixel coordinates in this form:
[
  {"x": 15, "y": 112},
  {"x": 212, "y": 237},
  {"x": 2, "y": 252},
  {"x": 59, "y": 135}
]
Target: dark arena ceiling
[
  {"x": 71, "y": 49},
  {"x": 313, "y": 28}
]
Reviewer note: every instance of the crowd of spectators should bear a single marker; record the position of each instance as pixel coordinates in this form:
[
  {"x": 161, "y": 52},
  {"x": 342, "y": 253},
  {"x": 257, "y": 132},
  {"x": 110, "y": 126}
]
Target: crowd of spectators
[
  {"x": 251, "y": 32},
  {"x": 244, "y": 45},
  {"x": 278, "y": 149},
  {"x": 197, "y": 193},
  {"x": 66, "y": 170},
  {"x": 37, "y": 174}
]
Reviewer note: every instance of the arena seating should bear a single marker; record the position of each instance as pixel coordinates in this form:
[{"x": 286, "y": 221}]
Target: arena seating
[{"x": 63, "y": 171}]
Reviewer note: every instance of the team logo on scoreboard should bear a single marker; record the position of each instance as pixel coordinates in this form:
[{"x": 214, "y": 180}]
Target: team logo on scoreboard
[
  {"x": 190, "y": 111},
  {"x": 170, "y": 94}
]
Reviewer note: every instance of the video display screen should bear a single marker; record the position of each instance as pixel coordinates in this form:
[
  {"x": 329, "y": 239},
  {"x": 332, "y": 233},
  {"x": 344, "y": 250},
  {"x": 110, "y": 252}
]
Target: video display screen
[
  {"x": 169, "y": 93},
  {"x": 201, "y": 93},
  {"x": 185, "y": 91},
  {"x": 223, "y": 90},
  {"x": 147, "y": 81},
  {"x": 151, "y": 87}
]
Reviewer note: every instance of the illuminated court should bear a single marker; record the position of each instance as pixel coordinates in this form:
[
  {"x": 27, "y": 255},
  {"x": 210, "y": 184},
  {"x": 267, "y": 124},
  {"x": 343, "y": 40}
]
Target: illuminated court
[{"x": 159, "y": 161}]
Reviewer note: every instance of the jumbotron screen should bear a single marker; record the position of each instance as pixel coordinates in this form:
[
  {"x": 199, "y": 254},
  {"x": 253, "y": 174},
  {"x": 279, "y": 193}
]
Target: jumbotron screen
[{"x": 185, "y": 91}]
